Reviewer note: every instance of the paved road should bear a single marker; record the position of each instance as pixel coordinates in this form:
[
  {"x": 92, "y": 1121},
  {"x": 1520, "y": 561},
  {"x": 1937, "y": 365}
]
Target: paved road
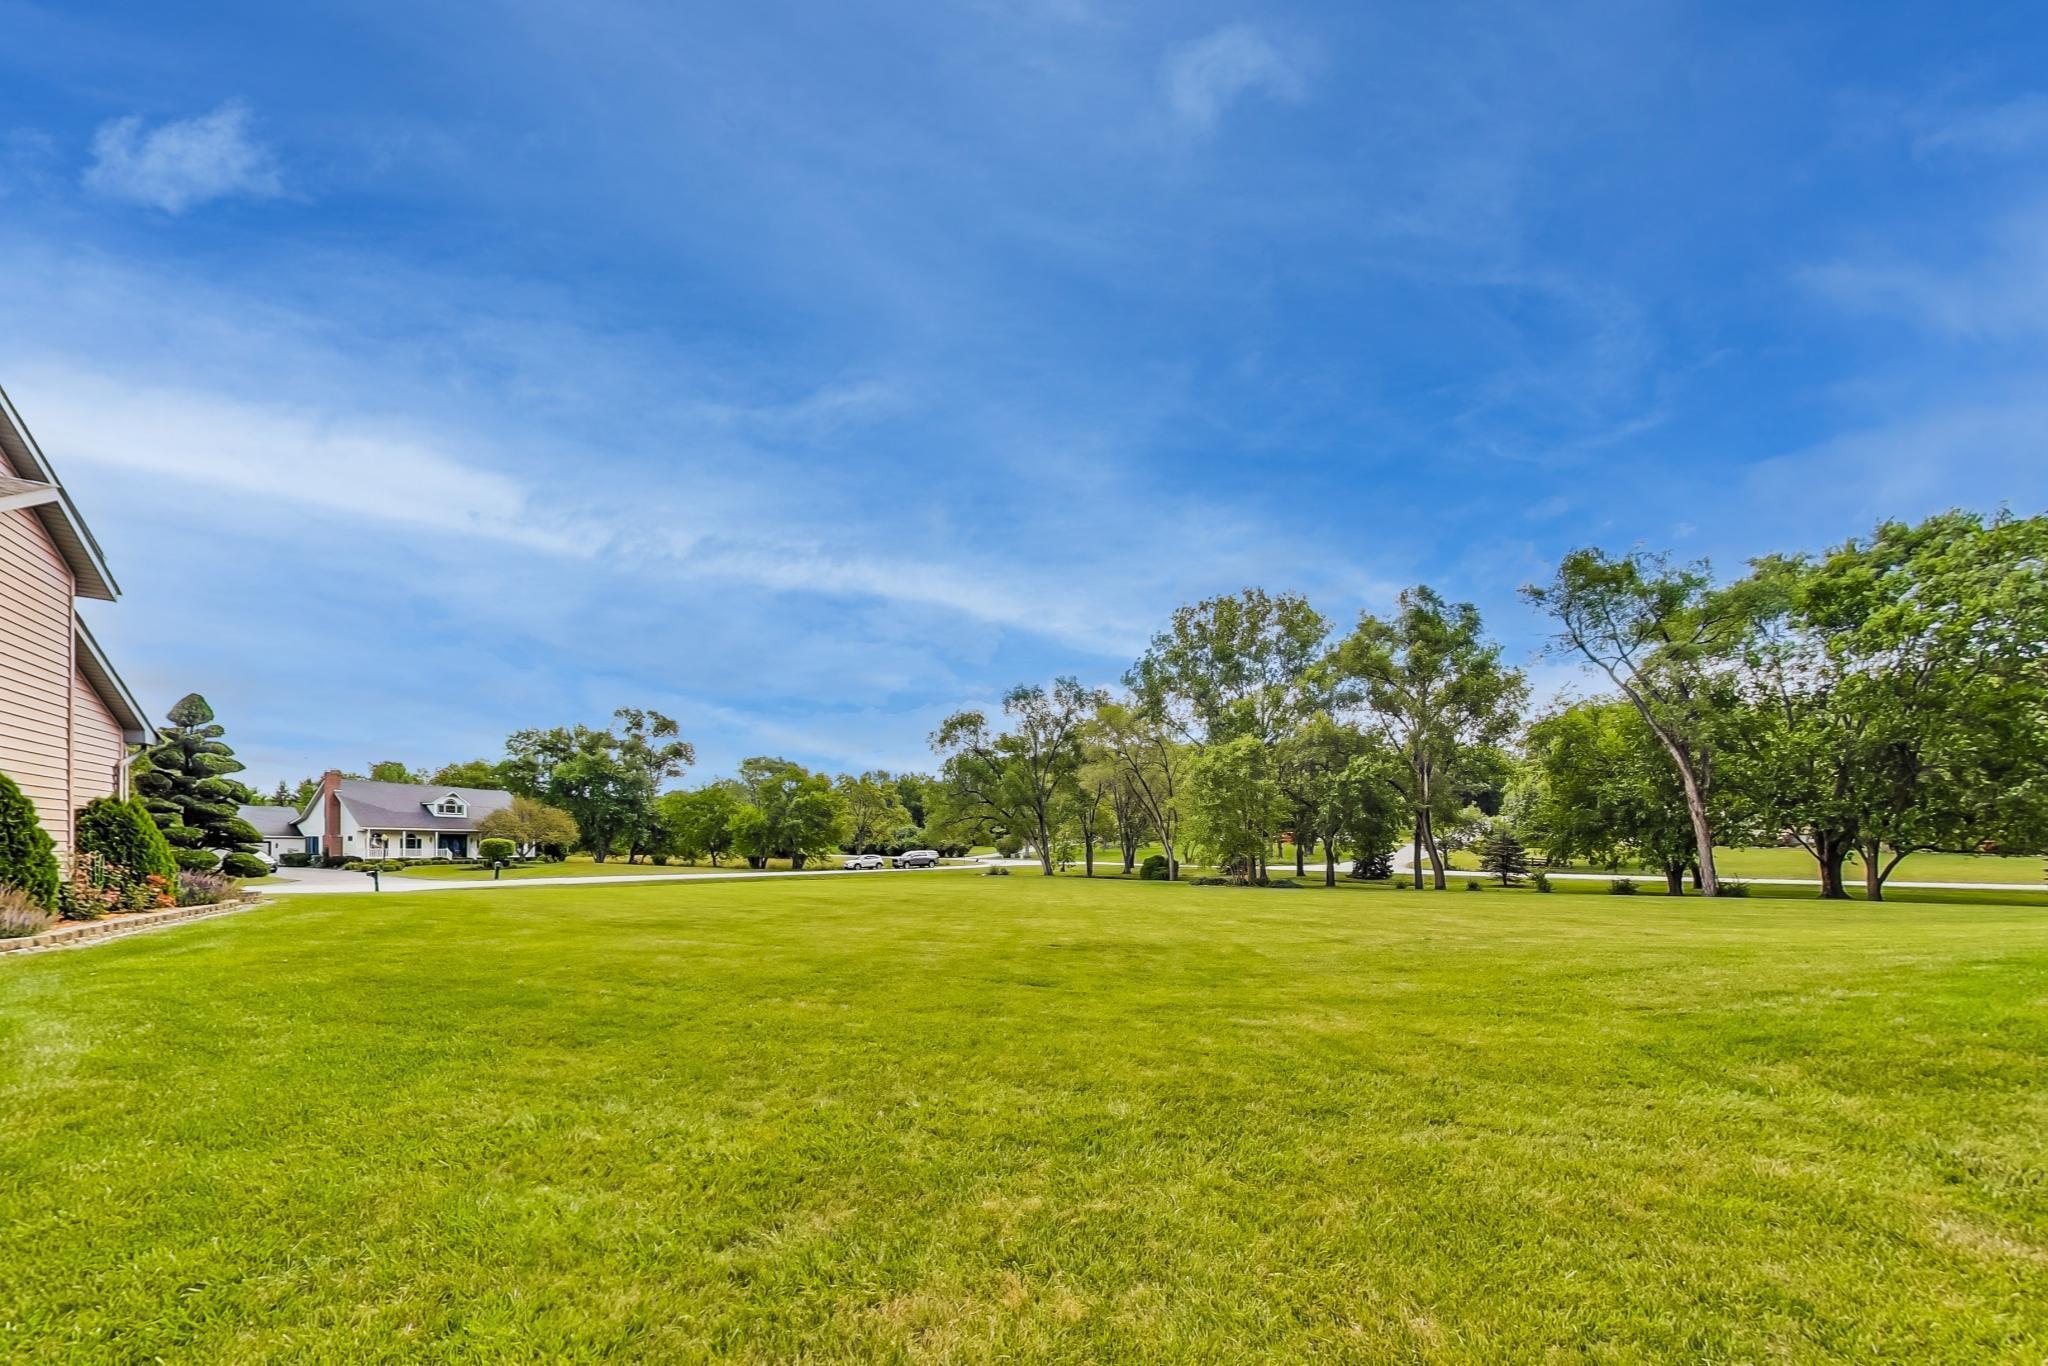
[{"x": 333, "y": 881}]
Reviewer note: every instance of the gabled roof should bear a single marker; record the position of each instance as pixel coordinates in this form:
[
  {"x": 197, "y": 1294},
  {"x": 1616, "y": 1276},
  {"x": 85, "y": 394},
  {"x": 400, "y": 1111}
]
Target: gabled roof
[
  {"x": 407, "y": 806},
  {"x": 272, "y": 822},
  {"x": 54, "y": 507},
  {"x": 93, "y": 663}
]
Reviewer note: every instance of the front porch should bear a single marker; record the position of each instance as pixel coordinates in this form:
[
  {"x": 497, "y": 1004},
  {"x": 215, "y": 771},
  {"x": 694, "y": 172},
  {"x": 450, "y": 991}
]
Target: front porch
[{"x": 417, "y": 844}]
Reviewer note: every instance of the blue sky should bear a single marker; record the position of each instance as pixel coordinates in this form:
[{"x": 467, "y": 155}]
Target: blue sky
[{"x": 807, "y": 371}]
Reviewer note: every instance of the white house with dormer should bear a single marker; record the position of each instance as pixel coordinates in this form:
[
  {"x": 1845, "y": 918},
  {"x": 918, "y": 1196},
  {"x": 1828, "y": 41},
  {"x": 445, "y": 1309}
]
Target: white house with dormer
[{"x": 356, "y": 818}]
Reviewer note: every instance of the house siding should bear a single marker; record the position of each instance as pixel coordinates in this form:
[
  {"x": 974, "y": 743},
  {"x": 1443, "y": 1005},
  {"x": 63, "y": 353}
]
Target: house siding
[
  {"x": 97, "y": 749},
  {"x": 37, "y": 666}
]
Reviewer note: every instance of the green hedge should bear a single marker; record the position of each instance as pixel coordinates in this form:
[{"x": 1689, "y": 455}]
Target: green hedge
[
  {"x": 28, "y": 860},
  {"x": 122, "y": 833}
]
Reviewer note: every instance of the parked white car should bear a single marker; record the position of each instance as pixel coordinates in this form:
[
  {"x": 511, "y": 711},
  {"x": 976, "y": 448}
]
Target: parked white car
[
  {"x": 865, "y": 863},
  {"x": 918, "y": 858}
]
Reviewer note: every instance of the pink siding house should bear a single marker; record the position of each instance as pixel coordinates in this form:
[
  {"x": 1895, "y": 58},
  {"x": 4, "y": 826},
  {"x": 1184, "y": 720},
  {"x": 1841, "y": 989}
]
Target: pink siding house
[{"x": 66, "y": 719}]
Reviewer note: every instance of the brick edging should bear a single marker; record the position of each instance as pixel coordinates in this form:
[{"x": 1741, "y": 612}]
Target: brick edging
[{"x": 81, "y": 932}]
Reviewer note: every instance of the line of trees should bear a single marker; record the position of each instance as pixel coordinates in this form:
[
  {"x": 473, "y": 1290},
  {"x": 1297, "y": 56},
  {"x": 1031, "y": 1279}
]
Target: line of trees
[{"x": 1888, "y": 696}]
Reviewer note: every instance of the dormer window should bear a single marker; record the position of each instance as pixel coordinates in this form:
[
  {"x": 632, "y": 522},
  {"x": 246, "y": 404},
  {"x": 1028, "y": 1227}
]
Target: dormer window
[{"x": 451, "y": 805}]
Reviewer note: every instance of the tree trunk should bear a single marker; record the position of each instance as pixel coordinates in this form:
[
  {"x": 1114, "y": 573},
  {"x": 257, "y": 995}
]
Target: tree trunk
[
  {"x": 1299, "y": 870},
  {"x": 1329, "y": 862},
  {"x": 1829, "y": 849},
  {"x": 1674, "y": 879},
  {"x": 1088, "y": 857},
  {"x": 1044, "y": 846},
  {"x": 1702, "y": 828},
  {"x": 1873, "y": 869},
  {"x": 1415, "y": 863},
  {"x": 1437, "y": 867}
]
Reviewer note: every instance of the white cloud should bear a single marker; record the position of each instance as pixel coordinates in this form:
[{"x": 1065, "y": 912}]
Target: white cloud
[
  {"x": 176, "y": 165},
  {"x": 332, "y": 465},
  {"x": 1204, "y": 77}
]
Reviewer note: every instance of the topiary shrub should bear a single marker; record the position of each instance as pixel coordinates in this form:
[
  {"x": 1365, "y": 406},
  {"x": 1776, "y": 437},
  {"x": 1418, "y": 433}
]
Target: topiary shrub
[
  {"x": 1622, "y": 886},
  {"x": 297, "y": 858},
  {"x": 244, "y": 865},
  {"x": 196, "y": 860},
  {"x": 20, "y": 917},
  {"x": 28, "y": 860},
  {"x": 1153, "y": 869},
  {"x": 496, "y": 849},
  {"x": 123, "y": 834}
]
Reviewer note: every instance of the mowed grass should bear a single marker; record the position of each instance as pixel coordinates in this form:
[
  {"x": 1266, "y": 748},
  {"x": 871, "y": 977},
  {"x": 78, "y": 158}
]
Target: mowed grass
[
  {"x": 959, "y": 1118},
  {"x": 1797, "y": 863},
  {"x": 582, "y": 865}
]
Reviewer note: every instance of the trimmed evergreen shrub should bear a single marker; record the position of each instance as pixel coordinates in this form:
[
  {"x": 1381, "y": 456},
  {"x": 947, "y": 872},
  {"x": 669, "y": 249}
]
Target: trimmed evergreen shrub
[
  {"x": 1153, "y": 869},
  {"x": 123, "y": 834},
  {"x": 297, "y": 858},
  {"x": 196, "y": 860},
  {"x": 244, "y": 865},
  {"x": 184, "y": 783},
  {"x": 28, "y": 859},
  {"x": 495, "y": 849}
]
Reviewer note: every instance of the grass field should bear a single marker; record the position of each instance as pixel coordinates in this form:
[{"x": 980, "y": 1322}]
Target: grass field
[
  {"x": 1927, "y": 867},
  {"x": 981, "y": 1119},
  {"x": 582, "y": 865}
]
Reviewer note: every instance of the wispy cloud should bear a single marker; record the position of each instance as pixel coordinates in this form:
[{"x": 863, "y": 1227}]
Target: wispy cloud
[
  {"x": 183, "y": 162},
  {"x": 2000, "y": 291},
  {"x": 2007, "y": 128},
  {"x": 1203, "y": 78},
  {"x": 323, "y": 462}
]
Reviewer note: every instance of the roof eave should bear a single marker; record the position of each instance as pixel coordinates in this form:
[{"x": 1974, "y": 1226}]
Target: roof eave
[{"x": 59, "y": 515}]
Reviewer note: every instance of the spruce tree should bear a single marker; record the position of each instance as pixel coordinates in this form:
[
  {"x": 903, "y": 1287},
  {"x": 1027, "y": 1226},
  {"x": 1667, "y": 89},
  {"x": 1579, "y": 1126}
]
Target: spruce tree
[
  {"x": 185, "y": 787},
  {"x": 1503, "y": 856}
]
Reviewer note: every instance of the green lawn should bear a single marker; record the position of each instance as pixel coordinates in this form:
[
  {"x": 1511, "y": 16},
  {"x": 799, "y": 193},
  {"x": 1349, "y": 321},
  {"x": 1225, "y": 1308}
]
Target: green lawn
[
  {"x": 582, "y": 865},
  {"x": 992, "y": 1119},
  {"x": 1741, "y": 863}
]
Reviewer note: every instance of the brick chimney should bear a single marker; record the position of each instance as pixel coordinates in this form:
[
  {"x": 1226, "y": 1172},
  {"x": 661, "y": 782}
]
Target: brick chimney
[{"x": 330, "y": 804}]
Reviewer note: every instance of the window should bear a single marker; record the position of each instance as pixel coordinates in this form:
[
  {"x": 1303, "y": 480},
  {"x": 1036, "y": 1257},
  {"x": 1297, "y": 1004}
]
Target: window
[
  {"x": 451, "y": 805},
  {"x": 412, "y": 841}
]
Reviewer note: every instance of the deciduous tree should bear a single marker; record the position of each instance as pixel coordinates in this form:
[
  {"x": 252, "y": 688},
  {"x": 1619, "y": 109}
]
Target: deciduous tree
[
  {"x": 605, "y": 779},
  {"x": 1016, "y": 778},
  {"x": 1439, "y": 691}
]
